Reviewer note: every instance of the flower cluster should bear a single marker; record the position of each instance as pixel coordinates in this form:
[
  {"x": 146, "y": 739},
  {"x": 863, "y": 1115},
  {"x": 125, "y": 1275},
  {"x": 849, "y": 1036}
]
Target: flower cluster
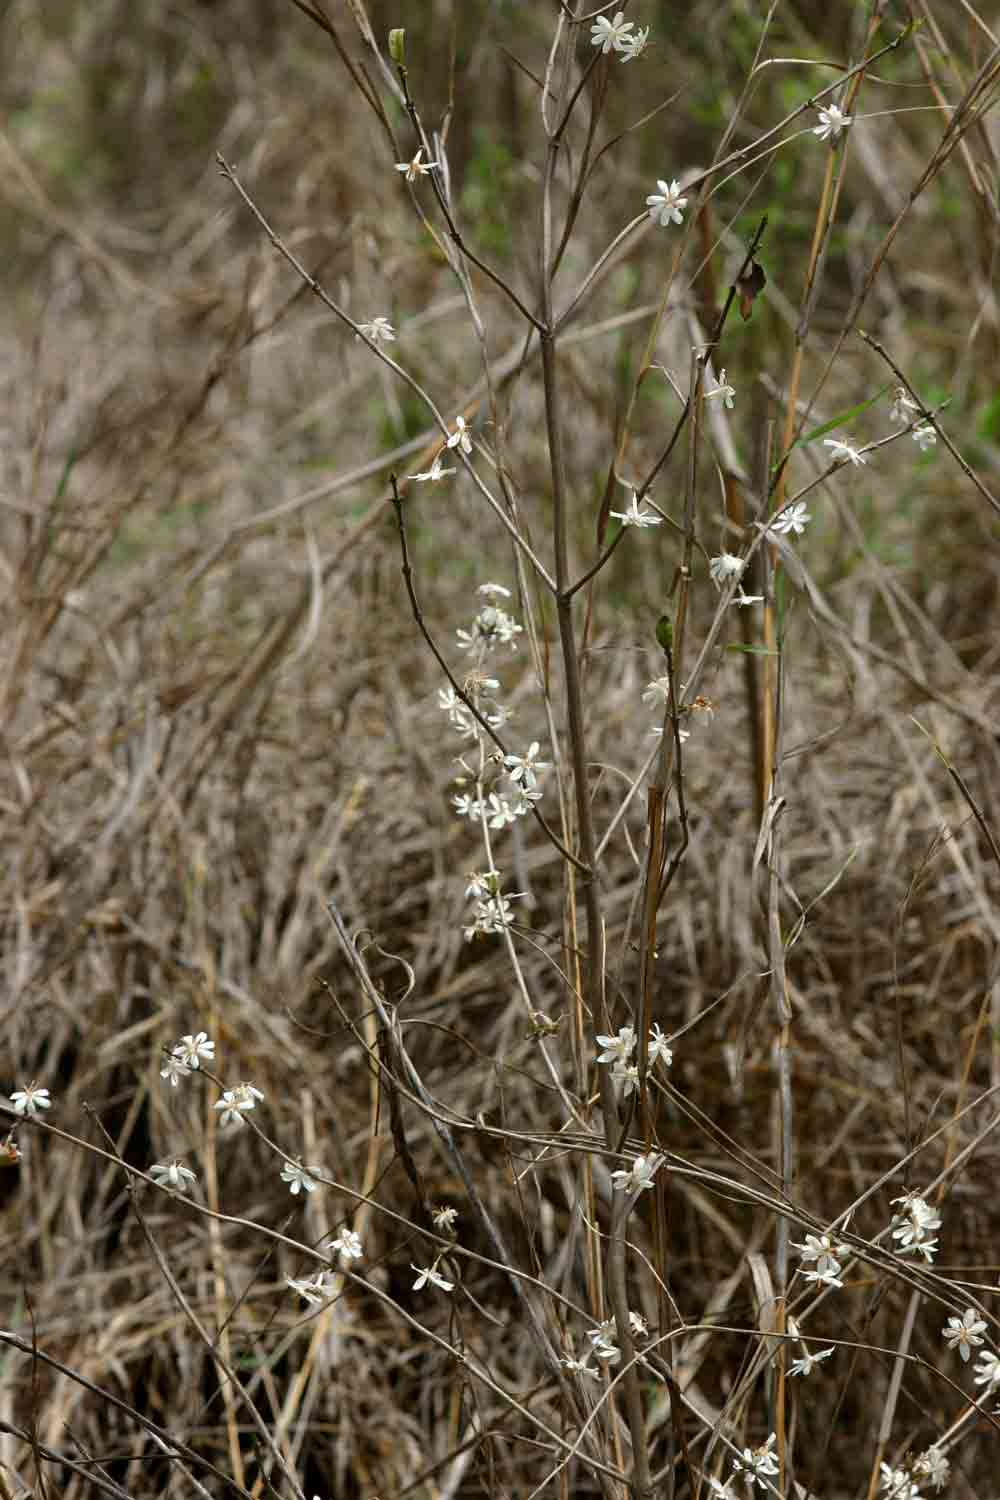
[
  {"x": 757, "y": 1465},
  {"x": 493, "y": 911},
  {"x": 617, "y": 1050},
  {"x": 519, "y": 790},
  {"x": 187, "y": 1056},
  {"x": 825, "y": 1255},
  {"x": 914, "y": 1226},
  {"x": 619, "y": 36}
]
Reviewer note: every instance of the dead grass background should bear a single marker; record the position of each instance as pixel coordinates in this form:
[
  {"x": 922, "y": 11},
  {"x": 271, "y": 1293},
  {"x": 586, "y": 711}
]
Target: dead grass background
[{"x": 200, "y": 748}]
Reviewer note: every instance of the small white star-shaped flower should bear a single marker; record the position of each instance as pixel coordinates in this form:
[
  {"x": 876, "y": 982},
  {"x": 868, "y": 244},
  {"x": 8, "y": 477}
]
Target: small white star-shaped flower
[
  {"x": 347, "y": 1244},
  {"x": 460, "y": 437},
  {"x": 965, "y": 1332},
  {"x": 844, "y": 450},
  {"x": 641, "y": 1175},
  {"x": 430, "y": 1274},
  {"x": 807, "y": 1363},
  {"x": 379, "y": 331},
  {"x": 415, "y": 168},
  {"x": 726, "y": 392},
  {"x": 172, "y": 1174},
  {"x": 634, "y": 46},
  {"x": 924, "y": 436},
  {"x": 665, "y": 206},
  {"x": 725, "y": 567},
  {"x": 633, "y": 516},
  {"x": 831, "y": 122},
  {"x": 298, "y": 1179},
  {"x": 611, "y": 36},
  {"x": 433, "y": 474},
  {"x": 30, "y": 1100},
  {"x": 194, "y": 1050},
  {"x": 175, "y": 1068},
  {"x": 794, "y": 518}
]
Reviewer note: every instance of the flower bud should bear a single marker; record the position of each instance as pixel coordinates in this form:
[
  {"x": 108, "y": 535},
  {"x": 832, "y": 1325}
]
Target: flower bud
[
  {"x": 397, "y": 46},
  {"x": 665, "y": 632}
]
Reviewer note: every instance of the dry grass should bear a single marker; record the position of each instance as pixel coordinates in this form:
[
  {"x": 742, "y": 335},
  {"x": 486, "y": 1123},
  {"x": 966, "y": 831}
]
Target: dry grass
[{"x": 219, "y": 717}]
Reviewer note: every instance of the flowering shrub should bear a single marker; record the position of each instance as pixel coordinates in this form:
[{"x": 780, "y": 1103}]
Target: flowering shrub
[{"x": 581, "y": 1144}]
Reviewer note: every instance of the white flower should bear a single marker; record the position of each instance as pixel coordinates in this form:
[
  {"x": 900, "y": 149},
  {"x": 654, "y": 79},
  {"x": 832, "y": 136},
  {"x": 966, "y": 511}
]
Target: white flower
[
  {"x": 602, "y": 1340},
  {"x": 844, "y": 450},
  {"x": 725, "y": 567},
  {"x": 665, "y": 206},
  {"x": 897, "y": 1484},
  {"x": 460, "y": 437},
  {"x": 915, "y": 1226},
  {"x": 430, "y": 1274},
  {"x": 727, "y": 392},
  {"x": 298, "y": 1179},
  {"x": 719, "y": 1490},
  {"x": 901, "y": 406},
  {"x": 433, "y": 474},
  {"x": 617, "y": 1048},
  {"x": 194, "y": 1050},
  {"x": 964, "y": 1332},
  {"x": 416, "y": 168},
  {"x": 175, "y": 1068},
  {"x": 756, "y": 1464},
  {"x": 805, "y": 1365},
  {"x": 492, "y": 627},
  {"x": 638, "y": 1324},
  {"x": 30, "y": 1100},
  {"x": 832, "y": 122},
  {"x": 444, "y": 1219},
  {"x": 658, "y": 1048},
  {"x": 627, "y": 1075},
  {"x": 524, "y": 800},
  {"x": 793, "y": 518},
  {"x": 236, "y": 1102},
  {"x": 523, "y": 767},
  {"x": 925, "y": 437},
  {"x": 611, "y": 36},
  {"x": 173, "y": 1174},
  {"x": 465, "y": 805},
  {"x": 988, "y": 1372},
  {"x": 641, "y": 1175},
  {"x": 501, "y": 811},
  {"x": 633, "y": 46},
  {"x": 580, "y": 1367},
  {"x": 633, "y": 516},
  {"x": 379, "y": 331},
  {"x": 933, "y": 1467},
  {"x": 458, "y": 712},
  {"x": 657, "y": 693},
  {"x": 822, "y": 1250},
  {"x": 314, "y": 1291},
  {"x": 347, "y": 1244},
  {"x": 493, "y": 591}
]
